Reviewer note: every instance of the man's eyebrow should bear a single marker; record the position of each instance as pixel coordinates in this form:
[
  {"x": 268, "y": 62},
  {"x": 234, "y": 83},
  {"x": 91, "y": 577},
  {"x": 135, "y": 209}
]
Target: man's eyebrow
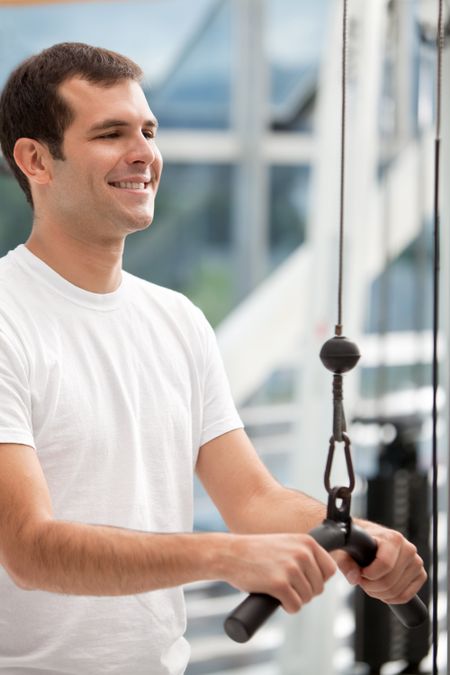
[{"x": 108, "y": 123}]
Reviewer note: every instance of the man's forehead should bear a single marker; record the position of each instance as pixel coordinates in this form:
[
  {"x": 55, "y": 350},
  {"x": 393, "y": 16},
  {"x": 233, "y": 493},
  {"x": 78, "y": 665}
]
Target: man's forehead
[{"x": 99, "y": 101}]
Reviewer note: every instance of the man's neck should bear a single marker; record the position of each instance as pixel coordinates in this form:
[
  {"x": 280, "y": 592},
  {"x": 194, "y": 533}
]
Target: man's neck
[{"x": 94, "y": 267}]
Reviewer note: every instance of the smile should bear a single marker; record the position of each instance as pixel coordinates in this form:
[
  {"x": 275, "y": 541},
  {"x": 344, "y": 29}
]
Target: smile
[{"x": 130, "y": 186}]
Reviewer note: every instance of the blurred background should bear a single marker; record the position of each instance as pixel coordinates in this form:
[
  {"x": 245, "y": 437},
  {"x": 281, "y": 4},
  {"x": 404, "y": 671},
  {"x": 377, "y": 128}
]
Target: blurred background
[{"x": 247, "y": 93}]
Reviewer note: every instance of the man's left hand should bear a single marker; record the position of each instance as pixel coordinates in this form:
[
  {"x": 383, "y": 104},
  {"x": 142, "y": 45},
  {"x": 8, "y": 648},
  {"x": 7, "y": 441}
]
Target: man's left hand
[{"x": 396, "y": 574}]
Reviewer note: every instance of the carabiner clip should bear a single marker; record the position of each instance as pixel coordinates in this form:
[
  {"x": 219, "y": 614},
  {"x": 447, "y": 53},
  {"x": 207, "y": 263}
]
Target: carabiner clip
[{"x": 348, "y": 461}]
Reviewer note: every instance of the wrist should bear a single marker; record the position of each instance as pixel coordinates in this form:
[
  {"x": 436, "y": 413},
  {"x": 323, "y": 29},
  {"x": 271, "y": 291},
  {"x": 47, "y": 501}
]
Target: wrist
[{"x": 219, "y": 554}]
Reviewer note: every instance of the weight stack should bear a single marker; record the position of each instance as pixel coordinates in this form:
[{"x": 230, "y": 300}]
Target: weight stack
[{"x": 398, "y": 497}]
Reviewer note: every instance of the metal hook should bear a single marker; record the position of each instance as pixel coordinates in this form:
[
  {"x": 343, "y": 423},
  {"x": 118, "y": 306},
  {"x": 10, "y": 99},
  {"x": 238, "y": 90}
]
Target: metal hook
[{"x": 348, "y": 461}]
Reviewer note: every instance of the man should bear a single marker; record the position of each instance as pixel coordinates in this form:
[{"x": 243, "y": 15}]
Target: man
[{"x": 112, "y": 394}]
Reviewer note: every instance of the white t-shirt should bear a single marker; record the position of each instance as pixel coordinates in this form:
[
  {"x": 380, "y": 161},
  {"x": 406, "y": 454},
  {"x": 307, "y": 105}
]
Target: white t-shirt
[{"x": 116, "y": 392}]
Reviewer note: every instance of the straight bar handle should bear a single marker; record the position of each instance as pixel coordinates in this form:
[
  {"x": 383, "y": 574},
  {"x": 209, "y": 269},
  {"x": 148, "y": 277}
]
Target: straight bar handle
[{"x": 254, "y": 611}]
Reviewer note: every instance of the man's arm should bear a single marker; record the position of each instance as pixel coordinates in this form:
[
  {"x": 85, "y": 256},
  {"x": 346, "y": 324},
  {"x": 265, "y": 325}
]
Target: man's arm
[
  {"x": 245, "y": 492},
  {"x": 40, "y": 552},
  {"x": 251, "y": 500}
]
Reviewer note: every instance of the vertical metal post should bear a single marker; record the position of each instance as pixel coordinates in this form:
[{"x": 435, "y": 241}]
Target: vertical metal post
[
  {"x": 250, "y": 120},
  {"x": 445, "y": 279},
  {"x": 404, "y": 68}
]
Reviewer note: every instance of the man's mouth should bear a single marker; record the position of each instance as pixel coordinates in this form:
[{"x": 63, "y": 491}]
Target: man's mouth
[{"x": 125, "y": 185}]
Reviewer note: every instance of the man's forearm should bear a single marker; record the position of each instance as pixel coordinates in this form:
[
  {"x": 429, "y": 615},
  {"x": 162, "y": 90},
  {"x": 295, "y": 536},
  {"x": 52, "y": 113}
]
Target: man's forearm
[
  {"x": 280, "y": 510},
  {"x": 73, "y": 558},
  {"x": 78, "y": 559}
]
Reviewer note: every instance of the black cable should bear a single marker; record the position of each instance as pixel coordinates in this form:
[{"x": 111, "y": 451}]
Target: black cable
[
  {"x": 342, "y": 180},
  {"x": 435, "y": 366}
]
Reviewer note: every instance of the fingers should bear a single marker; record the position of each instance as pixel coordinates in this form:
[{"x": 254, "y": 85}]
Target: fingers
[
  {"x": 326, "y": 563},
  {"x": 392, "y": 554},
  {"x": 397, "y": 572},
  {"x": 291, "y": 567},
  {"x": 295, "y": 592},
  {"x": 348, "y": 567},
  {"x": 305, "y": 576},
  {"x": 399, "y": 585}
]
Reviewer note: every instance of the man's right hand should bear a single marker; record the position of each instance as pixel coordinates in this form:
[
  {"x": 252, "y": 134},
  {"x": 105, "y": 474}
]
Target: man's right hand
[{"x": 291, "y": 567}]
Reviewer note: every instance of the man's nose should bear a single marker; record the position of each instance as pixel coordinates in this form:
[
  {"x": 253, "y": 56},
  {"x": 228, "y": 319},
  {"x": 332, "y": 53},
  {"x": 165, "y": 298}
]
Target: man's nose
[{"x": 143, "y": 150}]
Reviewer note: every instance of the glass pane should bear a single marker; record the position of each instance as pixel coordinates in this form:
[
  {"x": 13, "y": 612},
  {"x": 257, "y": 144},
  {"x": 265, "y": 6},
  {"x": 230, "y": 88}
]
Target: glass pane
[
  {"x": 188, "y": 247},
  {"x": 408, "y": 277},
  {"x": 295, "y": 39},
  {"x": 289, "y": 189},
  {"x": 144, "y": 31},
  {"x": 15, "y": 215},
  {"x": 196, "y": 91}
]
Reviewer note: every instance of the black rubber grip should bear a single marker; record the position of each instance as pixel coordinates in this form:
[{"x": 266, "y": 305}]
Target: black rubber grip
[{"x": 250, "y": 615}]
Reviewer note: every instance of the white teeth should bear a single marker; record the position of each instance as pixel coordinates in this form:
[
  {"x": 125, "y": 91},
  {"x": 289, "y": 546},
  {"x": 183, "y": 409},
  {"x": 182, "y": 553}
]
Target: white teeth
[{"x": 130, "y": 186}]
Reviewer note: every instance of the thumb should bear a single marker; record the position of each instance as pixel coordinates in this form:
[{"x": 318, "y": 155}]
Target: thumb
[{"x": 348, "y": 567}]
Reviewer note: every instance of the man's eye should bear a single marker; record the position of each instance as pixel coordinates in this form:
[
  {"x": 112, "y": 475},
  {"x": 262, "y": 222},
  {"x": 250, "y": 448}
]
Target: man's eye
[
  {"x": 148, "y": 134},
  {"x": 112, "y": 134}
]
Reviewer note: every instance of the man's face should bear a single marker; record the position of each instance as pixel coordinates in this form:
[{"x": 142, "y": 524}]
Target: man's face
[{"x": 107, "y": 183}]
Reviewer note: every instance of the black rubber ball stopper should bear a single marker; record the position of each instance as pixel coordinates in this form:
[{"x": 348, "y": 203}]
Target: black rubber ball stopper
[{"x": 339, "y": 354}]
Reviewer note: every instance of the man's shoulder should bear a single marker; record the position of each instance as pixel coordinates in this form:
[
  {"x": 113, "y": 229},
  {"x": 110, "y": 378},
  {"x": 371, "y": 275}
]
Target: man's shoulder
[
  {"x": 6, "y": 266},
  {"x": 12, "y": 281},
  {"x": 15, "y": 312},
  {"x": 167, "y": 297},
  {"x": 166, "y": 303}
]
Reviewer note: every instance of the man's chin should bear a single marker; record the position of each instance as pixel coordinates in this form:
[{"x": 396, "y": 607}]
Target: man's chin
[{"x": 139, "y": 224}]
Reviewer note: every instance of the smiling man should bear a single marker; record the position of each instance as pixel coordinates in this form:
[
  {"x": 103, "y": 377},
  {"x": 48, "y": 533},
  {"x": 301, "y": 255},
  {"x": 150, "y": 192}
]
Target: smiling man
[
  {"x": 112, "y": 394},
  {"x": 101, "y": 183}
]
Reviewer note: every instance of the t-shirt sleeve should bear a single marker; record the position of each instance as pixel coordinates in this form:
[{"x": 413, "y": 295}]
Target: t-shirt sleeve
[
  {"x": 219, "y": 411},
  {"x": 15, "y": 397}
]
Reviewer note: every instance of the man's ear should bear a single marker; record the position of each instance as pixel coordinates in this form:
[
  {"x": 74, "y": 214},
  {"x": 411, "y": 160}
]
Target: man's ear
[{"x": 34, "y": 160}]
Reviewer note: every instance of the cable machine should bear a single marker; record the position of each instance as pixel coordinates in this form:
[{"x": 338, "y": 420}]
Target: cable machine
[{"x": 339, "y": 355}]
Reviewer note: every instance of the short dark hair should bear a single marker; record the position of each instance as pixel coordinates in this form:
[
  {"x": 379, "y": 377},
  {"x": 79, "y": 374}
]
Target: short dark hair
[{"x": 31, "y": 106}]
